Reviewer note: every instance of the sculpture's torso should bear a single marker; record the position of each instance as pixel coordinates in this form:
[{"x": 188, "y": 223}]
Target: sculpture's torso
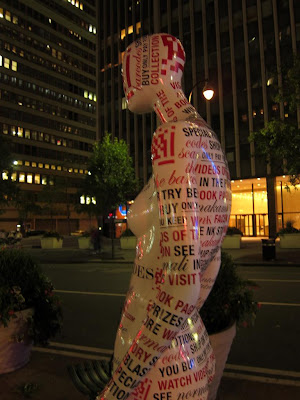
[{"x": 186, "y": 367}]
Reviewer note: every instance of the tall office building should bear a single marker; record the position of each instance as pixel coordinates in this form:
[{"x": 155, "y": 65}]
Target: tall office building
[
  {"x": 48, "y": 104},
  {"x": 235, "y": 45}
]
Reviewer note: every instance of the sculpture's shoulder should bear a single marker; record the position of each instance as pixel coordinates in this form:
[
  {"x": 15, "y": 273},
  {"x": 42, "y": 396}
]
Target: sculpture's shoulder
[{"x": 171, "y": 137}]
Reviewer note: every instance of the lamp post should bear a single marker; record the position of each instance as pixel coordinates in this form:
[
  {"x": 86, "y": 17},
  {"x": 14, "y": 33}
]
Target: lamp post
[{"x": 207, "y": 91}]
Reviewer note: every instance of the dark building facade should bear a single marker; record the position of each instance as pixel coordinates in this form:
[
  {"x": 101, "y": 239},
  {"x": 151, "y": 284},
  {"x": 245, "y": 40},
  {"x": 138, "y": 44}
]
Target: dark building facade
[
  {"x": 48, "y": 104},
  {"x": 235, "y": 45}
]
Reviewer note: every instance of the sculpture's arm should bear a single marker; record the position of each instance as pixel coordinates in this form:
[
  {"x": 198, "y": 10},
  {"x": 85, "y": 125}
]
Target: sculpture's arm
[{"x": 176, "y": 283}]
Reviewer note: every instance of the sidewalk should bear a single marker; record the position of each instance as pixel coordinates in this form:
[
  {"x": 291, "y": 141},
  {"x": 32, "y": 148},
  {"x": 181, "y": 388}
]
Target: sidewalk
[
  {"x": 249, "y": 254},
  {"x": 49, "y": 371}
]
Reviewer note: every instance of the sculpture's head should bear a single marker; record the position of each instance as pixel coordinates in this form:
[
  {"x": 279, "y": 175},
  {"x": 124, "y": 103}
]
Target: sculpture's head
[{"x": 151, "y": 64}]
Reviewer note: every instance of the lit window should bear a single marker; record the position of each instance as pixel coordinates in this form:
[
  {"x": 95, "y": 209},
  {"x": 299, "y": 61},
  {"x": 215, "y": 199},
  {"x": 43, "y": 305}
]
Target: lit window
[
  {"x": 95, "y": 98},
  {"x": 88, "y": 200},
  {"x": 0, "y": 61},
  {"x": 5, "y": 175},
  {"x": 77, "y": 4},
  {"x": 81, "y": 6},
  {"x": 82, "y": 200},
  {"x": 94, "y": 30},
  {"x": 53, "y": 166},
  {"x": 6, "y": 63},
  {"x": 14, "y": 65},
  {"x": 58, "y": 142},
  {"x": 91, "y": 96},
  {"x": 76, "y": 171},
  {"x": 37, "y": 179},
  {"x": 1, "y": 12},
  {"x": 5, "y": 129},
  {"x": 27, "y": 134},
  {"x": 94, "y": 200},
  {"x": 90, "y": 28},
  {"x": 47, "y": 166},
  {"x": 44, "y": 180},
  {"x": 51, "y": 181},
  {"x": 27, "y": 164},
  {"x": 86, "y": 94},
  {"x": 29, "y": 178},
  {"x": 58, "y": 168},
  {"x": 41, "y": 165},
  {"x": 15, "y": 19},
  {"x": 7, "y": 16},
  {"x": 20, "y": 162},
  {"x": 70, "y": 169},
  {"x": 13, "y": 130},
  {"x": 20, "y": 131},
  {"x": 14, "y": 176},
  {"x": 33, "y": 164},
  {"x": 21, "y": 177}
]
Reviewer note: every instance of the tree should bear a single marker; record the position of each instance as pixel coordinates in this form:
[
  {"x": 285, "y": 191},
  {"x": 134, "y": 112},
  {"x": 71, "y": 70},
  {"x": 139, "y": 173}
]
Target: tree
[
  {"x": 279, "y": 140},
  {"x": 8, "y": 188},
  {"x": 110, "y": 180},
  {"x": 26, "y": 205}
]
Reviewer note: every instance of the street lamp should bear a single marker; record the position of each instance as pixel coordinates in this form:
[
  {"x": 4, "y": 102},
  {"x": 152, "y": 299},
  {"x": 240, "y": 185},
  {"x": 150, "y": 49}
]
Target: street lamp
[{"x": 207, "y": 91}]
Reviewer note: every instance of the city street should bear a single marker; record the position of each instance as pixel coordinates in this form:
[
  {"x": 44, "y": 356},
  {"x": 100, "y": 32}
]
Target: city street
[{"x": 93, "y": 295}]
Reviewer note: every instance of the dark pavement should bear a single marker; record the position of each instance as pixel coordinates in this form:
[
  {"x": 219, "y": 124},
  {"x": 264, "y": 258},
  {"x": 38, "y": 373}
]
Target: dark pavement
[{"x": 49, "y": 371}]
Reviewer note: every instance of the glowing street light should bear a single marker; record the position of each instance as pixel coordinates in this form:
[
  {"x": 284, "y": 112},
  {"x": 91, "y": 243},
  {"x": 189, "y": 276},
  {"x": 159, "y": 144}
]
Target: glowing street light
[{"x": 207, "y": 91}]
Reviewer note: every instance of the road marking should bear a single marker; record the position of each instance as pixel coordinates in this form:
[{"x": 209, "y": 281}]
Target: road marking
[
  {"x": 294, "y": 374},
  {"x": 90, "y": 293},
  {"x": 263, "y": 379},
  {"x": 70, "y": 354},
  {"x": 266, "y": 303},
  {"x": 277, "y": 280},
  {"x": 123, "y": 295},
  {"x": 82, "y": 348},
  {"x": 266, "y": 375}
]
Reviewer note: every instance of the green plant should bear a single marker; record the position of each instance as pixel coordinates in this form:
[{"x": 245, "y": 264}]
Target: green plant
[
  {"x": 232, "y": 230},
  {"x": 289, "y": 228},
  {"x": 230, "y": 300},
  {"x": 27, "y": 389},
  {"x": 52, "y": 234},
  {"x": 23, "y": 285},
  {"x": 127, "y": 233}
]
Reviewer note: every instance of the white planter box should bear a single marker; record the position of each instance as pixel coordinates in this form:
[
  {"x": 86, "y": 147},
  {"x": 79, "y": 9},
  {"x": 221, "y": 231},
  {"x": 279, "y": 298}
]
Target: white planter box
[
  {"x": 128, "y": 242},
  {"x": 290, "y": 241},
  {"x": 51, "y": 243},
  {"x": 84, "y": 243},
  {"x": 232, "y": 242},
  {"x": 221, "y": 343},
  {"x": 15, "y": 344}
]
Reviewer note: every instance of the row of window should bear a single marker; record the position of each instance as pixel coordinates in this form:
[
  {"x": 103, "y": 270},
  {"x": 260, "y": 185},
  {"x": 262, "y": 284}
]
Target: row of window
[
  {"x": 50, "y": 37},
  {"x": 74, "y": 17},
  {"x": 24, "y": 101},
  {"x": 30, "y": 178},
  {"x": 50, "y": 65},
  {"x": 76, "y": 3},
  {"x": 44, "y": 137},
  {"x": 36, "y": 15},
  {"x": 53, "y": 167},
  {"x": 49, "y": 50},
  {"x": 46, "y": 92},
  {"x": 44, "y": 122},
  {"x": 8, "y": 63}
]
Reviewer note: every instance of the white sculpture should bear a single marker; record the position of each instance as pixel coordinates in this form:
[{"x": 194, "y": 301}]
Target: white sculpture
[{"x": 162, "y": 349}]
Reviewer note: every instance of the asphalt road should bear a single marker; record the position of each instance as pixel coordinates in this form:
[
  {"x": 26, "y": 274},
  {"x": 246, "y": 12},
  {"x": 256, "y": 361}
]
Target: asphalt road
[{"x": 93, "y": 295}]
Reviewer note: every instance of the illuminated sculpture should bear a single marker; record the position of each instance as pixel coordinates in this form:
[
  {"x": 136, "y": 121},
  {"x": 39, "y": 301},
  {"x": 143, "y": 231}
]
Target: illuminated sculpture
[{"x": 162, "y": 349}]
